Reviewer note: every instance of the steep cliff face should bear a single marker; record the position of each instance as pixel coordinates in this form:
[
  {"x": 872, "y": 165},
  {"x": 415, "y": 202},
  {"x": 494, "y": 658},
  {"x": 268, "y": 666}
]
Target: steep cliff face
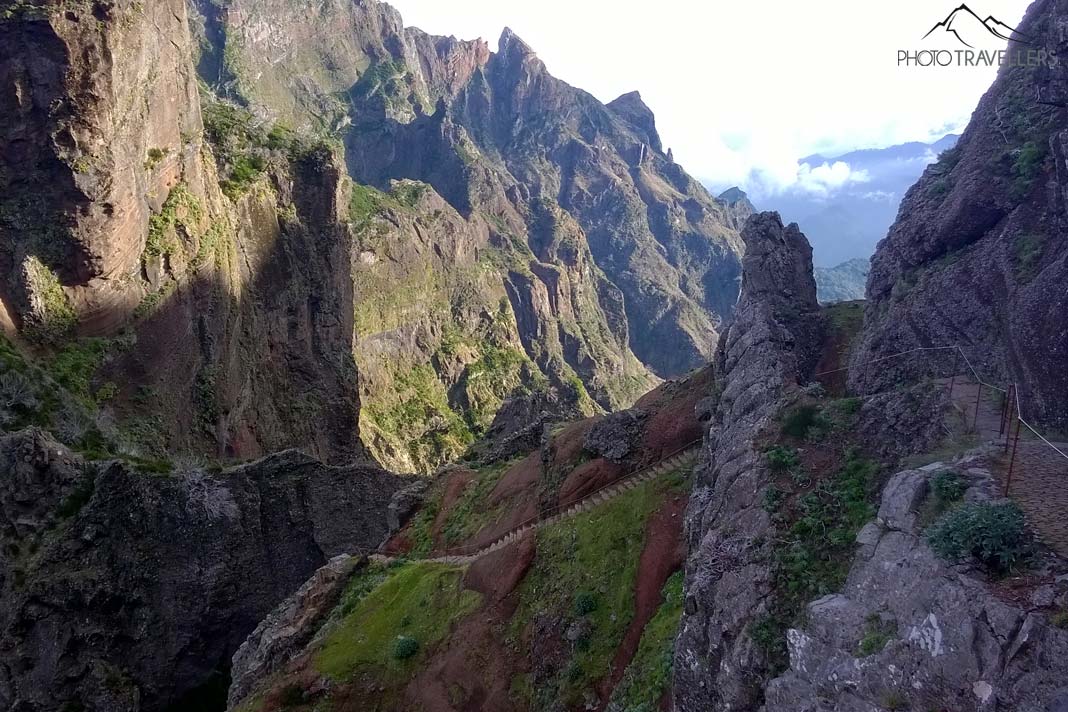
[
  {"x": 126, "y": 589},
  {"x": 91, "y": 97},
  {"x": 231, "y": 292},
  {"x": 454, "y": 316},
  {"x": 978, "y": 254},
  {"x": 769, "y": 349}
]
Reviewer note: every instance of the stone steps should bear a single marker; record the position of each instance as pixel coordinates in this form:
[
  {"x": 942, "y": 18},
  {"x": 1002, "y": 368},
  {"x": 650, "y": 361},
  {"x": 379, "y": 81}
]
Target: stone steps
[{"x": 671, "y": 464}]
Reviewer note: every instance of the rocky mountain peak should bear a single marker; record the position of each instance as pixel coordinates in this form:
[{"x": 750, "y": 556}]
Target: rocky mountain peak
[
  {"x": 511, "y": 44},
  {"x": 634, "y": 111}
]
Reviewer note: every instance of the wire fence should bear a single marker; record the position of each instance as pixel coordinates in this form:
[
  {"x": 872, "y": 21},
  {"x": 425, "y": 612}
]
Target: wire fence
[{"x": 1012, "y": 420}]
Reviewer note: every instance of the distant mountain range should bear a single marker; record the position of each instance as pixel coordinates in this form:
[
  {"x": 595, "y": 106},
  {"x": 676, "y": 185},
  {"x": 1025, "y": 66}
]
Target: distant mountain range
[{"x": 849, "y": 221}]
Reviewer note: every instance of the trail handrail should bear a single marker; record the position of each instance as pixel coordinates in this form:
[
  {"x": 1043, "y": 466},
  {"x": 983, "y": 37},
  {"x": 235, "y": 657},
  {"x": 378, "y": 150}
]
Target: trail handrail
[
  {"x": 1008, "y": 415},
  {"x": 471, "y": 549}
]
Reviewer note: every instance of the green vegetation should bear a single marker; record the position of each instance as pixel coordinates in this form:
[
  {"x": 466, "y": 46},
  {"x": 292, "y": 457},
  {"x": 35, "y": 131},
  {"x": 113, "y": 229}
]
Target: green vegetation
[
  {"x": 416, "y": 601},
  {"x": 993, "y": 535},
  {"x": 1027, "y": 251},
  {"x": 404, "y": 647},
  {"x": 468, "y": 514},
  {"x": 365, "y": 201},
  {"x": 155, "y": 155},
  {"x": 1027, "y": 166},
  {"x": 418, "y": 413},
  {"x": 877, "y": 634},
  {"x": 648, "y": 677},
  {"x": 246, "y": 146},
  {"x": 597, "y": 553},
  {"x": 802, "y": 420},
  {"x": 182, "y": 211},
  {"x": 1060, "y": 619},
  {"x": 948, "y": 487},
  {"x": 53, "y": 316},
  {"x": 812, "y": 556},
  {"x": 74, "y": 367},
  {"x": 782, "y": 459},
  {"x": 387, "y": 83}
]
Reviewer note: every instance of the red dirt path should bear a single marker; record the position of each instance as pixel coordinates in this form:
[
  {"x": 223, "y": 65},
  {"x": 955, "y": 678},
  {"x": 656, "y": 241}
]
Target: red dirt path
[{"x": 662, "y": 555}]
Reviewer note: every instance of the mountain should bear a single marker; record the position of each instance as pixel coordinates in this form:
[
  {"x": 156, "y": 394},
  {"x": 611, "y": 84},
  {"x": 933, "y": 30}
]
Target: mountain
[
  {"x": 842, "y": 283},
  {"x": 977, "y": 255},
  {"x": 401, "y": 229},
  {"x": 846, "y": 222}
]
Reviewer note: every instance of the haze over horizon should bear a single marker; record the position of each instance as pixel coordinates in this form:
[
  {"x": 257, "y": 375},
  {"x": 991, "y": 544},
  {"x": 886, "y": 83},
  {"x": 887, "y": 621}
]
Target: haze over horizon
[{"x": 841, "y": 90}]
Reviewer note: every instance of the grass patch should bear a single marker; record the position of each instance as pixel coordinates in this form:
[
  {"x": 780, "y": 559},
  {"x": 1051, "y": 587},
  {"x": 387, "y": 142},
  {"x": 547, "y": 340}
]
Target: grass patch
[
  {"x": 648, "y": 677},
  {"x": 53, "y": 317},
  {"x": 877, "y": 634},
  {"x": 814, "y": 552},
  {"x": 416, "y": 600},
  {"x": 597, "y": 553},
  {"x": 1027, "y": 251}
]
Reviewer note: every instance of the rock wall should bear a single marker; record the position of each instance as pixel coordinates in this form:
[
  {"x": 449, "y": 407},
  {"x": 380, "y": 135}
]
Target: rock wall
[
  {"x": 938, "y": 636},
  {"x": 235, "y": 313},
  {"x": 129, "y": 590},
  {"x": 978, "y": 254},
  {"x": 771, "y": 346}
]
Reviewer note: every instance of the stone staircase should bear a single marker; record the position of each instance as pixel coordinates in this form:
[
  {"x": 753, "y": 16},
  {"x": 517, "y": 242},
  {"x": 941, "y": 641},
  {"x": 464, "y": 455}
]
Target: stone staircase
[{"x": 680, "y": 460}]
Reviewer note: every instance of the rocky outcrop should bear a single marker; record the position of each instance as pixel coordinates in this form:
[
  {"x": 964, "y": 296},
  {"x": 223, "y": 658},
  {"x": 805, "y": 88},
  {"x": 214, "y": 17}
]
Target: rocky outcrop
[
  {"x": 127, "y": 589},
  {"x": 769, "y": 349},
  {"x": 910, "y": 631},
  {"x": 289, "y": 627},
  {"x": 978, "y": 254}
]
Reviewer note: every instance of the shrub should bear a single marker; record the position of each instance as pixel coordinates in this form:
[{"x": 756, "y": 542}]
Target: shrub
[
  {"x": 799, "y": 421},
  {"x": 1060, "y": 619},
  {"x": 585, "y": 603},
  {"x": 782, "y": 459},
  {"x": 404, "y": 647},
  {"x": 994, "y": 535},
  {"x": 948, "y": 487},
  {"x": 773, "y": 499}
]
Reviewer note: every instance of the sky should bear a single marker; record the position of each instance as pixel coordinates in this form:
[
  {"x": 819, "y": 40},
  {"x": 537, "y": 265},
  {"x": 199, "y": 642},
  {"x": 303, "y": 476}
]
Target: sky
[{"x": 742, "y": 89}]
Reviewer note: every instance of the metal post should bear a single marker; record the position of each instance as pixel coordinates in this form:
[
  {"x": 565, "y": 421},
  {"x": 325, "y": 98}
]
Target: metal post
[
  {"x": 975, "y": 420},
  {"x": 1012, "y": 462},
  {"x": 1004, "y": 412},
  {"x": 1012, "y": 414}
]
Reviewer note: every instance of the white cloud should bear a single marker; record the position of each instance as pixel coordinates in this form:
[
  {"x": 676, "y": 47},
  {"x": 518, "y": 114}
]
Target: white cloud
[
  {"x": 827, "y": 177},
  {"x": 742, "y": 90}
]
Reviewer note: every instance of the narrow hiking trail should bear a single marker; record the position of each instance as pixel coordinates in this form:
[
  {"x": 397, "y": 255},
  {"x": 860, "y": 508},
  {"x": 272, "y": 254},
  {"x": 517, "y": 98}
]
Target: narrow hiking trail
[
  {"x": 681, "y": 460},
  {"x": 1039, "y": 475}
]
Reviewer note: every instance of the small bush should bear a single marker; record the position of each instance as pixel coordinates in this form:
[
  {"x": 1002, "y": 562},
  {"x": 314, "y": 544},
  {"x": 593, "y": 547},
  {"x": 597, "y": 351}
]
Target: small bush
[
  {"x": 782, "y": 459},
  {"x": 948, "y": 487},
  {"x": 799, "y": 421},
  {"x": 1060, "y": 619},
  {"x": 585, "y": 603},
  {"x": 994, "y": 535},
  {"x": 404, "y": 647},
  {"x": 773, "y": 499}
]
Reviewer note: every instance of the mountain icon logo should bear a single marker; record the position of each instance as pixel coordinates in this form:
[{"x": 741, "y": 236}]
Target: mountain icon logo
[{"x": 964, "y": 24}]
